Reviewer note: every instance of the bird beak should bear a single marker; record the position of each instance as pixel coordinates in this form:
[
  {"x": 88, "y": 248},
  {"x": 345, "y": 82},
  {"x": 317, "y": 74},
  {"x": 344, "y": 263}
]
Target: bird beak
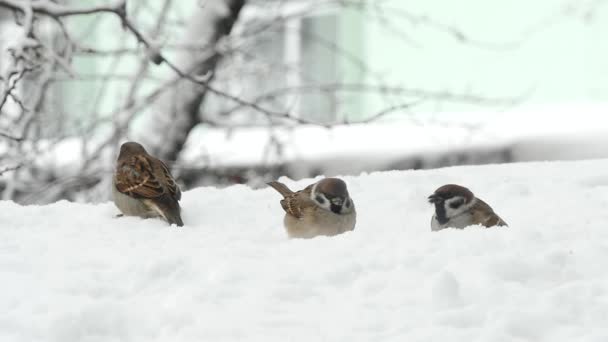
[
  {"x": 337, "y": 201},
  {"x": 435, "y": 199}
]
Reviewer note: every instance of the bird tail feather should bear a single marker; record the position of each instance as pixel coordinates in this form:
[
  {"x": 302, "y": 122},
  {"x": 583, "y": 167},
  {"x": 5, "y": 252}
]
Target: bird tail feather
[
  {"x": 170, "y": 210},
  {"x": 281, "y": 188}
]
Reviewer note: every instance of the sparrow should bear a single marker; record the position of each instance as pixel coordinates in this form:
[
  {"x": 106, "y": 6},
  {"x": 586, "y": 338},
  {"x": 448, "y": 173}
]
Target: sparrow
[
  {"x": 143, "y": 186},
  {"x": 322, "y": 208},
  {"x": 457, "y": 207}
]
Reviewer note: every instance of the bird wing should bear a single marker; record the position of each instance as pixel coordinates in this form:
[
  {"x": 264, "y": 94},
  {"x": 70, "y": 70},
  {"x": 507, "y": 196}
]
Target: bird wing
[
  {"x": 485, "y": 215},
  {"x": 135, "y": 177},
  {"x": 169, "y": 182},
  {"x": 295, "y": 204}
]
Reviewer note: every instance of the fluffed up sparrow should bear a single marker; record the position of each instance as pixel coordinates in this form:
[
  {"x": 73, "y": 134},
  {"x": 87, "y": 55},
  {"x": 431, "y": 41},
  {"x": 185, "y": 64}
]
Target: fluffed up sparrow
[
  {"x": 457, "y": 207},
  {"x": 322, "y": 208},
  {"x": 143, "y": 186}
]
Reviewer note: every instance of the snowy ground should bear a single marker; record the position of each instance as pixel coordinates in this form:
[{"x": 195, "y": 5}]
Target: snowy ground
[
  {"x": 72, "y": 272},
  {"x": 528, "y": 133}
]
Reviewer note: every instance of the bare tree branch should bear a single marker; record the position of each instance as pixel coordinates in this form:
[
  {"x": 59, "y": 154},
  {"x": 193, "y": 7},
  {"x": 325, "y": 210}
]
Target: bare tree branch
[
  {"x": 10, "y": 168},
  {"x": 172, "y": 99},
  {"x": 10, "y": 137},
  {"x": 56, "y": 10},
  {"x": 178, "y": 115}
]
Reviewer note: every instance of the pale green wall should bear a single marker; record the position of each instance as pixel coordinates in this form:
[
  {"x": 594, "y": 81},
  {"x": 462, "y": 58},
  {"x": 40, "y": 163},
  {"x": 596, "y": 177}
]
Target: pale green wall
[
  {"x": 351, "y": 69},
  {"x": 555, "y": 58},
  {"x": 558, "y": 58},
  {"x": 95, "y": 99}
]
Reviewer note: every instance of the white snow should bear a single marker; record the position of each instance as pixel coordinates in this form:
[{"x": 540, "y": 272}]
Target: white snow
[
  {"x": 73, "y": 272},
  {"x": 530, "y": 133}
]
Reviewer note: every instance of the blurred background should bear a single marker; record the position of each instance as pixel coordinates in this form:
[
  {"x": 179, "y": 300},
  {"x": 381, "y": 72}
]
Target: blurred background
[{"x": 246, "y": 91}]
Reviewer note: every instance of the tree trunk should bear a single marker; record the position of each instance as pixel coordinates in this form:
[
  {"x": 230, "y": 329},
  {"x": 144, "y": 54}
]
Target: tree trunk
[{"x": 177, "y": 113}]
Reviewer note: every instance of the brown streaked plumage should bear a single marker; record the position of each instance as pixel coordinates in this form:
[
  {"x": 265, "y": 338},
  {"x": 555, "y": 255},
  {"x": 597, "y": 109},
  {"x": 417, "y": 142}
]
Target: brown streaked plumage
[
  {"x": 322, "y": 208},
  {"x": 143, "y": 186},
  {"x": 457, "y": 207}
]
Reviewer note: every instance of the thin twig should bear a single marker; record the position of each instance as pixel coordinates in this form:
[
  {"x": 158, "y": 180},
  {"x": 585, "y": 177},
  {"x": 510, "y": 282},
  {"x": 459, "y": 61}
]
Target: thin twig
[
  {"x": 10, "y": 168},
  {"x": 11, "y": 137}
]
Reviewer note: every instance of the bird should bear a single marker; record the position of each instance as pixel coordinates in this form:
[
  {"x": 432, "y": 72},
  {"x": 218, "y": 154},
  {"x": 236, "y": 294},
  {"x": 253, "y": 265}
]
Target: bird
[
  {"x": 143, "y": 186},
  {"x": 457, "y": 207},
  {"x": 321, "y": 209}
]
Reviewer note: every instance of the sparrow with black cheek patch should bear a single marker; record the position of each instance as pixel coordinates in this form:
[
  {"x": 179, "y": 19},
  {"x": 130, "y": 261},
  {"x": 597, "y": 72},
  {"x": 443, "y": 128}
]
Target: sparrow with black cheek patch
[
  {"x": 143, "y": 186},
  {"x": 457, "y": 207},
  {"x": 322, "y": 208}
]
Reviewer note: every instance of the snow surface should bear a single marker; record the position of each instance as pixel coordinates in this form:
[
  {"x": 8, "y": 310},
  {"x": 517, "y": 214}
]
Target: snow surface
[
  {"x": 530, "y": 133},
  {"x": 73, "y": 272}
]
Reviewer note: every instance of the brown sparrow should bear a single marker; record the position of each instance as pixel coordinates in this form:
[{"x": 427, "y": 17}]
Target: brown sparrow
[
  {"x": 457, "y": 207},
  {"x": 143, "y": 186},
  {"x": 322, "y": 208}
]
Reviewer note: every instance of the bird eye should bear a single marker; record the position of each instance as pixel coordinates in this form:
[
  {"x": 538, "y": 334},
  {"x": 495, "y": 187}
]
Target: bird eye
[
  {"x": 457, "y": 203},
  {"x": 348, "y": 203},
  {"x": 320, "y": 199}
]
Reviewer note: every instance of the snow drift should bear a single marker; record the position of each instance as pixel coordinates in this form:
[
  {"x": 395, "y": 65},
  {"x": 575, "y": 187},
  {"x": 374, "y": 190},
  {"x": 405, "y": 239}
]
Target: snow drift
[{"x": 73, "y": 272}]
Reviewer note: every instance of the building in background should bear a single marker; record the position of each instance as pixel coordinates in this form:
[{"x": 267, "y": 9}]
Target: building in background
[
  {"x": 537, "y": 53},
  {"x": 306, "y": 87}
]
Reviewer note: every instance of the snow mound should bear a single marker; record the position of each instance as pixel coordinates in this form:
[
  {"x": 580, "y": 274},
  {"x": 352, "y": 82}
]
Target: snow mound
[{"x": 73, "y": 272}]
